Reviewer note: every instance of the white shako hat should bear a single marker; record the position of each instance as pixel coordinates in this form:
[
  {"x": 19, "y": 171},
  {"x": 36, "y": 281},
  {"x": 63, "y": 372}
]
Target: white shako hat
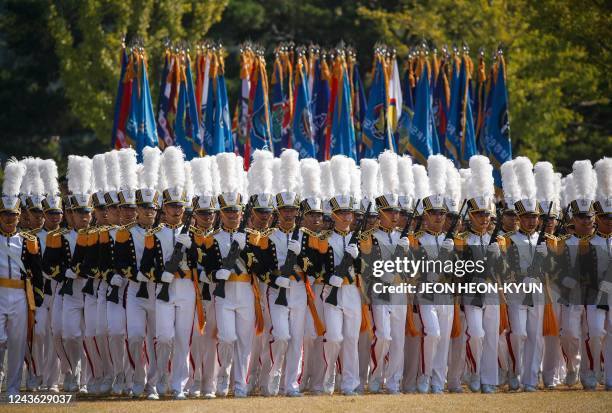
[
  {"x": 260, "y": 178},
  {"x": 370, "y": 190},
  {"x": 585, "y": 186},
  {"x": 421, "y": 185},
  {"x": 287, "y": 191},
  {"x": 389, "y": 199},
  {"x": 35, "y": 195},
  {"x": 230, "y": 197},
  {"x": 173, "y": 163},
  {"x": 436, "y": 172},
  {"x": 355, "y": 186},
  {"x": 311, "y": 186},
  {"x": 100, "y": 184},
  {"x": 204, "y": 190},
  {"x": 452, "y": 199},
  {"x": 547, "y": 189},
  {"x": 14, "y": 171},
  {"x": 603, "y": 199},
  {"x": 527, "y": 203},
  {"x": 48, "y": 172},
  {"x": 80, "y": 182},
  {"x": 567, "y": 193},
  {"x": 406, "y": 183},
  {"x": 128, "y": 167},
  {"x": 327, "y": 186},
  {"x": 147, "y": 195},
  {"x": 113, "y": 178},
  {"x": 481, "y": 189},
  {"x": 510, "y": 186},
  {"x": 341, "y": 177}
]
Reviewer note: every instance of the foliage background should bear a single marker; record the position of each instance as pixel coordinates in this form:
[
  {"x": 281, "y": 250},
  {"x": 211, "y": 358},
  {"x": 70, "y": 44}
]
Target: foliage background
[{"x": 59, "y": 59}]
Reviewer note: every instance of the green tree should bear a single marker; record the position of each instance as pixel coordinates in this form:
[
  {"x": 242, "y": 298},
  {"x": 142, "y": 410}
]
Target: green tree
[{"x": 88, "y": 35}]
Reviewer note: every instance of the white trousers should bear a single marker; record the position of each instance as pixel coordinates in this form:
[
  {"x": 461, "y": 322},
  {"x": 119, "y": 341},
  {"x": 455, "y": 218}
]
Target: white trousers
[
  {"x": 314, "y": 367},
  {"x": 173, "y": 325},
  {"x": 436, "y": 322},
  {"x": 13, "y": 334},
  {"x": 236, "y": 328},
  {"x": 102, "y": 341},
  {"x": 73, "y": 326},
  {"x": 116, "y": 319},
  {"x": 342, "y": 324},
  {"x": 389, "y": 336},
  {"x": 209, "y": 359},
  {"x": 525, "y": 342},
  {"x": 482, "y": 341}
]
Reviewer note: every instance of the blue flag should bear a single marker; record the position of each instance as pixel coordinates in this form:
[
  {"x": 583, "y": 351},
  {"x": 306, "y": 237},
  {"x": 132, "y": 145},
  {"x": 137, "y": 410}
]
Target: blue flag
[
  {"x": 118, "y": 99},
  {"x": 405, "y": 121},
  {"x": 375, "y": 131},
  {"x": 359, "y": 109},
  {"x": 320, "y": 106},
  {"x": 186, "y": 127},
  {"x": 302, "y": 116},
  {"x": 423, "y": 141},
  {"x": 468, "y": 148},
  {"x": 222, "y": 115},
  {"x": 260, "y": 135},
  {"x": 343, "y": 130},
  {"x": 141, "y": 127},
  {"x": 452, "y": 139},
  {"x": 497, "y": 123},
  {"x": 278, "y": 103}
]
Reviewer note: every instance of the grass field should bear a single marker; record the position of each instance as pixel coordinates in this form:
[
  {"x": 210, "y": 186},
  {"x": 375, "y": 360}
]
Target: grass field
[{"x": 565, "y": 400}]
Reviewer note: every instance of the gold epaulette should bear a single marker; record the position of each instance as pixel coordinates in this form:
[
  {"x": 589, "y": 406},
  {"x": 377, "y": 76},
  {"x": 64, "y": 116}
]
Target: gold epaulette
[
  {"x": 152, "y": 231},
  {"x": 309, "y": 232},
  {"x": 83, "y": 231},
  {"x": 128, "y": 227},
  {"x": 266, "y": 232},
  {"x": 213, "y": 232},
  {"x": 252, "y": 231},
  {"x": 27, "y": 235},
  {"x": 366, "y": 234},
  {"x": 195, "y": 230},
  {"x": 508, "y": 234},
  {"x": 462, "y": 235},
  {"x": 551, "y": 237},
  {"x": 324, "y": 234}
]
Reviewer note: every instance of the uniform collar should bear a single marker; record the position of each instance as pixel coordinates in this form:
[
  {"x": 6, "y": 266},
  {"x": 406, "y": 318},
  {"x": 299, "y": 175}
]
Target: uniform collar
[
  {"x": 289, "y": 231},
  {"x": 230, "y": 231},
  {"x": 435, "y": 234},
  {"x": 522, "y": 231},
  {"x": 342, "y": 233},
  {"x": 386, "y": 230},
  {"x": 8, "y": 234},
  {"x": 480, "y": 234},
  {"x": 175, "y": 226},
  {"x": 606, "y": 236}
]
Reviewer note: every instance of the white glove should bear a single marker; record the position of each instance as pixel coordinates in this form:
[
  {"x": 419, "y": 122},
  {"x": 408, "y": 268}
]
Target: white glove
[
  {"x": 569, "y": 283},
  {"x": 240, "y": 237},
  {"x": 447, "y": 245},
  {"x": 493, "y": 249},
  {"x": 606, "y": 287},
  {"x": 203, "y": 278},
  {"x": 352, "y": 250},
  {"x": 388, "y": 277},
  {"x": 404, "y": 243},
  {"x": 167, "y": 277},
  {"x": 141, "y": 277},
  {"x": 282, "y": 282},
  {"x": 311, "y": 280},
  {"x": 542, "y": 249},
  {"x": 336, "y": 281},
  {"x": 47, "y": 276},
  {"x": 223, "y": 274},
  {"x": 71, "y": 274},
  {"x": 184, "y": 239},
  {"x": 295, "y": 246},
  {"x": 117, "y": 280}
]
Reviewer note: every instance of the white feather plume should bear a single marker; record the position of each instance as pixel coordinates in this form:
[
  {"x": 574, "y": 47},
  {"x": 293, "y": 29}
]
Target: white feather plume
[
  {"x": 585, "y": 180},
  {"x": 14, "y": 172},
  {"x": 482, "y": 183},
  {"x": 341, "y": 174},
  {"x": 32, "y": 180},
  {"x": 568, "y": 191},
  {"x": 227, "y": 172},
  {"x": 113, "y": 174},
  {"x": 355, "y": 179},
  {"x": 405, "y": 176},
  {"x": 25, "y": 182},
  {"x": 523, "y": 168},
  {"x": 603, "y": 168},
  {"x": 421, "y": 182},
  {"x": 557, "y": 188},
  {"x": 311, "y": 178},
  {"x": 49, "y": 175},
  {"x": 466, "y": 175},
  {"x": 174, "y": 169},
  {"x": 260, "y": 173},
  {"x": 161, "y": 178},
  {"x": 202, "y": 176},
  {"x": 99, "y": 172},
  {"x": 453, "y": 182},
  {"x": 127, "y": 168},
  {"x": 214, "y": 173},
  {"x": 79, "y": 174},
  {"x": 151, "y": 160},
  {"x": 242, "y": 177},
  {"x": 544, "y": 175},
  {"x": 369, "y": 178},
  {"x": 327, "y": 183},
  {"x": 436, "y": 171},
  {"x": 290, "y": 170},
  {"x": 389, "y": 172},
  {"x": 510, "y": 183},
  {"x": 188, "y": 181},
  {"x": 140, "y": 171}
]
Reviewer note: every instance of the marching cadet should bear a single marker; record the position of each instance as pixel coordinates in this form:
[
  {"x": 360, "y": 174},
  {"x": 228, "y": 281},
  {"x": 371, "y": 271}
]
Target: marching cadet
[
  {"x": 525, "y": 312},
  {"x": 575, "y": 265},
  {"x": 481, "y": 312},
  {"x": 204, "y": 345},
  {"x": 234, "y": 295},
  {"x": 21, "y": 280},
  {"x": 312, "y": 220},
  {"x": 342, "y": 299},
  {"x": 603, "y": 240},
  {"x": 175, "y": 291},
  {"x": 79, "y": 184},
  {"x": 389, "y": 311},
  {"x": 140, "y": 295}
]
